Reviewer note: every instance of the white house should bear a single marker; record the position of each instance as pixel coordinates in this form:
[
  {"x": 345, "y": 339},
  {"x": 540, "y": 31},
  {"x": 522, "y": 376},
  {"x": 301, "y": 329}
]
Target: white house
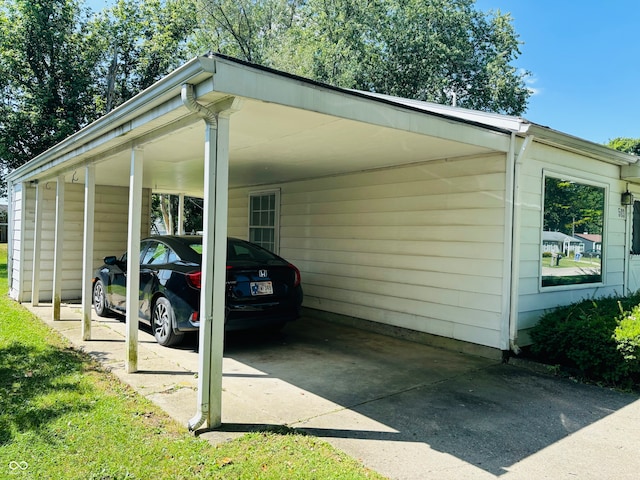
[{"x": 399, "y": 213}]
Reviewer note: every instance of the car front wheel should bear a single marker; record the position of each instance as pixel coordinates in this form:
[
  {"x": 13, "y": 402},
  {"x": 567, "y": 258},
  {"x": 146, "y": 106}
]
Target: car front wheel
[
  {"x": 162, "y": 322},
  {"x": 100, "y": 299}
]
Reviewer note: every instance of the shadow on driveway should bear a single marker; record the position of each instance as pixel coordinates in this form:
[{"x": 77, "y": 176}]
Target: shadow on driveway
[{"x": 485, "y": 413}]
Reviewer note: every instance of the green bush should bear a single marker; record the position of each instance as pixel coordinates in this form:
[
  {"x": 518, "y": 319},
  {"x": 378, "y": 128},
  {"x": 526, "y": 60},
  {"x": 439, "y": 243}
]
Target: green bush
[
  {"x": 580, "y": 337},
  {"x": 627, "y": 337}
]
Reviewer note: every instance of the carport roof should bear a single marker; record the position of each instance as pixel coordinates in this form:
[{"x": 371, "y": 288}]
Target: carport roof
[{"x": 287, "y": 128}]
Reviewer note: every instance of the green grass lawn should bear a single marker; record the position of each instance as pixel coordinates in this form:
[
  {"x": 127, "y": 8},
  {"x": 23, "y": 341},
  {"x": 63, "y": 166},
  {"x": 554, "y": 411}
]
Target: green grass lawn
[
  {"x": 63, "y": 417},
  {"x": 584, "y": 262}
]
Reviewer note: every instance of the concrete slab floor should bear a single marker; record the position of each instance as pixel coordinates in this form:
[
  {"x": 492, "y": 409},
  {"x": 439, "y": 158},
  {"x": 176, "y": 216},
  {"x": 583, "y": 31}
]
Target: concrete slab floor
[{"x": 406, "y": 410}]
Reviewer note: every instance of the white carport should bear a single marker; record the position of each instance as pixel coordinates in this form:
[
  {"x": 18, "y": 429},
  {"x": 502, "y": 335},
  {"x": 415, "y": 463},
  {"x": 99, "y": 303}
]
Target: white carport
[{"x": 217, "y": 124}]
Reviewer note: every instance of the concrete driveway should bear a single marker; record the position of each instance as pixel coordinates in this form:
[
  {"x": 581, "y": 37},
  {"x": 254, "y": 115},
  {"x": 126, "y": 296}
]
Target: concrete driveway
[{"x": 406, "y": 410}]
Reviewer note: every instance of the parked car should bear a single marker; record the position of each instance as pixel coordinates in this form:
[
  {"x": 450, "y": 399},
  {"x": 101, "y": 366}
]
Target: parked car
[
  {"x": 592, "y": 253},
  {"x": 262, "y": 291}
]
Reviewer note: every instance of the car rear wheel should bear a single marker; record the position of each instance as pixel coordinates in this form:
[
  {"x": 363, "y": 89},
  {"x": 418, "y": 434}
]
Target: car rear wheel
[
  {"x": 162, "y": 321},
  {"x": 100, "y": 299}
]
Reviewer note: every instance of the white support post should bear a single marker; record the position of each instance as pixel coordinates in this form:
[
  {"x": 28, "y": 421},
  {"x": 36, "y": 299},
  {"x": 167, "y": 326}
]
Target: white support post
[
  {"x": 181, "y": 214},
  {"x": 37, "y": 240},
  {"x": 58, "y": 248},
  {"x": 87, "y": 262},
  {"x": 214, "y": 261},
  {"x": 133, "y": 259}
]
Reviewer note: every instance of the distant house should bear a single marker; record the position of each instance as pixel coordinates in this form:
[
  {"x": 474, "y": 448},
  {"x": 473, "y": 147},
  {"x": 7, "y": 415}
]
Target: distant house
[
  {"x": 591, "y": 241},
  {"x": 558, "y": 242}
]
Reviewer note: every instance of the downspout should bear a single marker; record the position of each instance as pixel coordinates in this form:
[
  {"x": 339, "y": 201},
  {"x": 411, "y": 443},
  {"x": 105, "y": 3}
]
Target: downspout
[
  {"x": 212, "y": 296},
  {"x": 189, "y": 101},
  {"x": 516, "y": 162}
]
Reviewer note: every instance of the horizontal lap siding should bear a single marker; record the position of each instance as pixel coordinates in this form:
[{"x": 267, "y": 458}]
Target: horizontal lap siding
[
  {"x": 110, "y": 235},
  {"x": 533, "y": 300},
  {"x": 16, "y": 241},
  {"x": 419, "y": 247}
]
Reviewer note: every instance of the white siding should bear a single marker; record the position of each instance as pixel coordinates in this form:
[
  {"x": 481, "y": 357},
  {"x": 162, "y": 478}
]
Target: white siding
[
  {"x": 533, "y": 299},
  {"x": 16, "y": 241},
  {"x": 419, "y": 247},
  {"x": 111, "y": 210}
]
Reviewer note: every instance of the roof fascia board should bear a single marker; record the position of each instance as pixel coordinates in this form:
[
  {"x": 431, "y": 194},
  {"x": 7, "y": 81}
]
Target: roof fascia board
[
  {"x": 245, "y": 80},
  {"x": 578, "y": 145},
  {"x": 151, "y": 103}
]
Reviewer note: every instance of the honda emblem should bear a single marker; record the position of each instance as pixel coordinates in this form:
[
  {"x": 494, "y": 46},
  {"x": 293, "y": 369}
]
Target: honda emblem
[{"x": 262, "y": 273}]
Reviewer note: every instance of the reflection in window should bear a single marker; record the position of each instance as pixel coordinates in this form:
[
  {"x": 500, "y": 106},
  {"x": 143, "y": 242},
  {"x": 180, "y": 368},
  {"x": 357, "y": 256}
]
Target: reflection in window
[
  {"x": 635, "y": 235},
  {"x": 572, "y": 249}
]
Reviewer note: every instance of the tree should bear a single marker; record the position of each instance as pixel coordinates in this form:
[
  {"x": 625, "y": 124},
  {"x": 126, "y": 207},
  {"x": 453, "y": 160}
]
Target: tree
[
  {"x": 245, "y": 29},
  {"x": 141, "y": 41},
  {"x": 443, "y": 51},
  {"x": 47, "y": 60},
  {"x": 164, "y": 208},
  {"x": 571, "y": 207},
  {"x": 625, "y": 144}
]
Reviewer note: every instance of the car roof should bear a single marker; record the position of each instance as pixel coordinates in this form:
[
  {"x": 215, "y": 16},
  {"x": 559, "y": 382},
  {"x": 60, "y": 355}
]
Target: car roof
[{"x": 181, "y": 245}]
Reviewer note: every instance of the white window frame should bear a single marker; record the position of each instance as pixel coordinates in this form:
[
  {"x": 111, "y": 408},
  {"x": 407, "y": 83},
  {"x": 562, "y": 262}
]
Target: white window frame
[
  {"x": 276, "y": 218},
  {"x": 605, "y": 224}
]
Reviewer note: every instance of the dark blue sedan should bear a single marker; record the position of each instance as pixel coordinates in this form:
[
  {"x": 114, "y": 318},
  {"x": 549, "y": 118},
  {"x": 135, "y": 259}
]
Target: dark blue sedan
[{"x": 262, "y": 291}]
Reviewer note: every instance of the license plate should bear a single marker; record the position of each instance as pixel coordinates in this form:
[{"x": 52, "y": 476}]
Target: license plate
[{"x": 261, "y": 288}]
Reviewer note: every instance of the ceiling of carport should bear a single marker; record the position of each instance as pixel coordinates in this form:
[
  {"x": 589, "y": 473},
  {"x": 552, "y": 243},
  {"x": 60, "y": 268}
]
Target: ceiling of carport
[{"x": 271, "y": 143}]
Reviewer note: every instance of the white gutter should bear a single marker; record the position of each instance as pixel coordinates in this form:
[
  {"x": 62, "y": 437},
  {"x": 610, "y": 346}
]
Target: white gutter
[
  {"x": 118, "y": 121},
  {"x": 576, "y": 144}
]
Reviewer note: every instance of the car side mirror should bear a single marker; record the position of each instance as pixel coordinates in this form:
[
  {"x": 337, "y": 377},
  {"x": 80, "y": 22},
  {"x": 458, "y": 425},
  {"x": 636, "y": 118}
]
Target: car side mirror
[{"x": 110, "y": 260}]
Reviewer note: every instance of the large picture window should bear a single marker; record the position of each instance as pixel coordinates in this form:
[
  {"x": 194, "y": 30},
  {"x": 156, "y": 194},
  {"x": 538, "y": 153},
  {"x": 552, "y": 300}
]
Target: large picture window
[
  {"x": 264, "y": 211},
  {"x": 573, "y": 228}
]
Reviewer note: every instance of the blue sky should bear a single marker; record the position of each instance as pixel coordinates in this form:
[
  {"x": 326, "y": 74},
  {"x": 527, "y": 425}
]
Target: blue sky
[{"x": 584, "y": 61}]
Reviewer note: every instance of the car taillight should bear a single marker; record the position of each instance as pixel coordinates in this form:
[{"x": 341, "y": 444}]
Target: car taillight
[
  {"x": 298, "y": 278},
  {"x": 194, "y": 279}
]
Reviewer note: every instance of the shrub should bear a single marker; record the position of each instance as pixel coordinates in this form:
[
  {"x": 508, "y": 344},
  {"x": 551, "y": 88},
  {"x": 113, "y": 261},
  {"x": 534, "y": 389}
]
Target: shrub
[
  {"x": 580, "y": 338},
  {"x": 627, "y": 337}
]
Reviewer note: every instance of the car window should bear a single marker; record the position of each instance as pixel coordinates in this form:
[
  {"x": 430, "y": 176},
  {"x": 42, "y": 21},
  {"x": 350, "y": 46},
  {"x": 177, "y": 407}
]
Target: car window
[
  {"x": 171, "y": 255},
  {"x": 157, "y": 253}
]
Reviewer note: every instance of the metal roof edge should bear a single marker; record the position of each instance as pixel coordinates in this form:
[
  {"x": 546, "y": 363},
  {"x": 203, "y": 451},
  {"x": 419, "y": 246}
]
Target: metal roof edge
[
  {"x": 407, "y": 104},
  {"x": 576, "y": 144},
  {"x": 477, "y": 117}
]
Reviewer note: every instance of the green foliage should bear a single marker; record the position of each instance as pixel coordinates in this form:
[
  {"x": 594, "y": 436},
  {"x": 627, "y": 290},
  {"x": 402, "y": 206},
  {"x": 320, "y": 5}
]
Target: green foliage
[
  {"x": 61, "y": 67},
  {"x": 140, "y": 41},
  {"x": 625, "y": 144},
  {"x": 47, "y": 60},
  {"x": 580, "y": 337},
  {"x": 245, "y": 29},
  {"x": 570, "y": 206},
  {"x": 627, "y": 337},
  {"x": 443, "y": 51}
]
